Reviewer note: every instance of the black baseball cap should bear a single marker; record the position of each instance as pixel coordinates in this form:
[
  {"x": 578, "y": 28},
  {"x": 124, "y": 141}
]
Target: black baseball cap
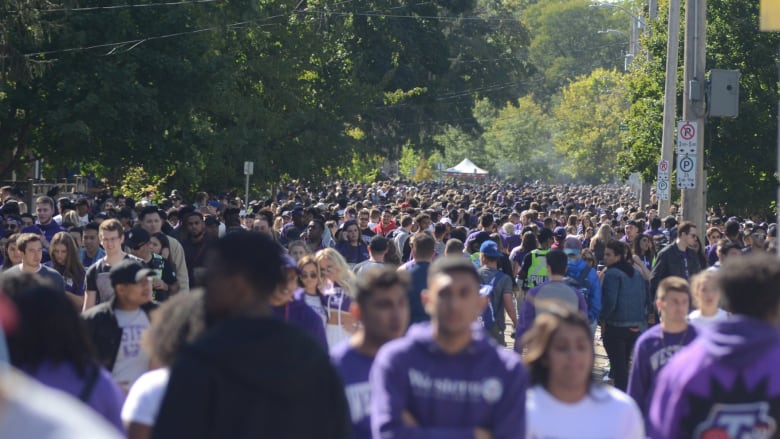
[
  {"x": 129, "y": 271},
  {"x": 135, "y": 238}
]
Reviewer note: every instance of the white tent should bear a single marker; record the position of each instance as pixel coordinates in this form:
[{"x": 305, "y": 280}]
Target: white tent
[{"x": 466, "y": 168}]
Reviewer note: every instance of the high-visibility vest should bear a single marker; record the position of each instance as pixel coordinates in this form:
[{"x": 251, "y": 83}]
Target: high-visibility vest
[{"x": 537, "y": 272}]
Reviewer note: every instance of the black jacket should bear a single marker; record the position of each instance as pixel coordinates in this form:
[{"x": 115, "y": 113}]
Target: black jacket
[
  {"x": 104, "y": 331},
  {"x": 253, "y": 378},
  {"x": 670, "y": 262}
]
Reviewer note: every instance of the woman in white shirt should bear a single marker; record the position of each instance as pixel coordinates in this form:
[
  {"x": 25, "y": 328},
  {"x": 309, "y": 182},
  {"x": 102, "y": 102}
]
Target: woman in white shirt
[
  {"x": 563, "y": 401},
  {"x": 178, "y": 321},
  {"x": 706, "y": 297}
]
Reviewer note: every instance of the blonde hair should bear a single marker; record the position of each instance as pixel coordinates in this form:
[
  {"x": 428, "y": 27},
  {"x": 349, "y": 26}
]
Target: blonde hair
[
  {"x": 603, "y": 235},
  {"x": 346, "y": 278},
  {"x": 698, "y": 281},
  {"x": 508, "y": 228}
]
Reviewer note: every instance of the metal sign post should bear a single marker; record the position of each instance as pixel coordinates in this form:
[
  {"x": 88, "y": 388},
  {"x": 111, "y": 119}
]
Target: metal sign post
[{"x": 249, "y": 169}]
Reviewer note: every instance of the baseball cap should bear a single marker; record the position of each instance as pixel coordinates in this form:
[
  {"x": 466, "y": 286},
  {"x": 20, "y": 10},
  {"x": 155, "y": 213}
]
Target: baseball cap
[
  {"x": 378, "y": 243},
  {"x": 572, "y": 246},
  {"x": 289, "y": 262},
  {"x": 560, "y": 232},
  {"x": 490, "y": 249},
  {"x": 135, "y": 238},
  {"x": 129, "y": 271},
  {"x": 545, "y": 235}
]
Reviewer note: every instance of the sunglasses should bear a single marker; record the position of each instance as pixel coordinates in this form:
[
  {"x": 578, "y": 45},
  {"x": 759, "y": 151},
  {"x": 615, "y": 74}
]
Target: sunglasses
[
  {"x": 758, "y": 235},
  {"x": 310, "y": 275}
]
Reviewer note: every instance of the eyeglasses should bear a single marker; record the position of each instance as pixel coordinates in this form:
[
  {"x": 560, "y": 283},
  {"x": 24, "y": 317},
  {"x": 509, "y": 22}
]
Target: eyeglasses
[
  {"x": 758, "y": 235},
  {"x": 310, "y": 275},
  {"x": 363, "y": 218},
  {"x": 326, "y": 270}
]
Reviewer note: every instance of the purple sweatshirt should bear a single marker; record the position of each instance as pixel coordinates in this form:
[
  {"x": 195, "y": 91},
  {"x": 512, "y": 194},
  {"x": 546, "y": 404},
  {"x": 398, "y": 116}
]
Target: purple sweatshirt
[
  {"x": 651, "y": 353},
  {"x": 298, "y": 313},
  {"x": 106, "y": 398},
  {"x": 448, "y": 395},
  {"x": 725, "y": 384},
  {"x": 353, "y": 367}
]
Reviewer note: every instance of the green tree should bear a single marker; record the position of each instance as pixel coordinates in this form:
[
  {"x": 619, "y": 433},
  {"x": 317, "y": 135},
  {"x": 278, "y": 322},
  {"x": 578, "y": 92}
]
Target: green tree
[
  {"x": 566, "y": 43},
  {"x": 587, "y": 127},
  {"x": 518, "y": 141}
]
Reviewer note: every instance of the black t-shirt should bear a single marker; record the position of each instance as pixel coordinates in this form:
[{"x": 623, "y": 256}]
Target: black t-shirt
[
  {"x": 164, "y": 270},
  {"x": 98, "y": 280}
]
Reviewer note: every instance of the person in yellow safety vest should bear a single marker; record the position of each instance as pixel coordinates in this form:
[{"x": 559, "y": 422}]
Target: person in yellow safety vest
[{"x": 534, "y": 269}]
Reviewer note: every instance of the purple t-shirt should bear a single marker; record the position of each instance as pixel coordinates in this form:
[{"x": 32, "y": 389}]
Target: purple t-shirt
[
  {"x": 353, "y": 367},
  {"x": 651, "y": 353},
  {"x": 724, "y": 384},
  {"x": 449, "y": 395},
  {"x": 106, "y": 398},
  {"x": 298, "y": 313}
]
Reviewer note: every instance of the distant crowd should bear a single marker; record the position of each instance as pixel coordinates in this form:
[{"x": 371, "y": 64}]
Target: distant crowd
[{"x": 384, "y": 310}]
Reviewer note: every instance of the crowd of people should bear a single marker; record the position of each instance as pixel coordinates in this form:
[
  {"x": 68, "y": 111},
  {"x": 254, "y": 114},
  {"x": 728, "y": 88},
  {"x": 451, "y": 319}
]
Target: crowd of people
[{"x": 386, "y": 310}]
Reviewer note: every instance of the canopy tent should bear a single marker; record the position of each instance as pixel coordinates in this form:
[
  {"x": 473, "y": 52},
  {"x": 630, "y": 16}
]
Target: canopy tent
[{"x": 466, "y": 168}]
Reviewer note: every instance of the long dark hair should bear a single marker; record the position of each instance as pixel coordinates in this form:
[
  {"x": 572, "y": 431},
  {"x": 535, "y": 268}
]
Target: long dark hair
[
  {"x": 50, "y": 329},
  {"x": 72, "y": 268},
  {"x": 6, "y": 260}
]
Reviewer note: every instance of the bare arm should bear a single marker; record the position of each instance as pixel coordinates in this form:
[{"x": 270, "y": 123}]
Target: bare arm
[
  {"x": 89, "y": 300},
  {"x": 138, "y": 431},
  {"x": 509, "y": 306}
]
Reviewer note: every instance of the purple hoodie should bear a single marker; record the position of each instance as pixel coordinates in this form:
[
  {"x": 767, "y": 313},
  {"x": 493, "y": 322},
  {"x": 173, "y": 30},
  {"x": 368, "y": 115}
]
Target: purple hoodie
[
  {"x": 724, "y": 384},
  {"x": 354, "y": 367},
  {"x": 449, "y": 395},
  {"x": 298, "y": 313}
]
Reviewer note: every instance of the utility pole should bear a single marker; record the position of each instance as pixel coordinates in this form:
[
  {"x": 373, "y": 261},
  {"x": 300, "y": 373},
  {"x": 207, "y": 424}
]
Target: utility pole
[
  {"x": 670, "y": 94},
  {"x": 694, "y": 105}
]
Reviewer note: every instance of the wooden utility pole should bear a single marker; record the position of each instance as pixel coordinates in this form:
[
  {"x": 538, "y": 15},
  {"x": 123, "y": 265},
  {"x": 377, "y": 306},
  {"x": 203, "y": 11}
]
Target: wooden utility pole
[
  {"x": 694, "y": 105},
  {"x": 670, "y": 94}
]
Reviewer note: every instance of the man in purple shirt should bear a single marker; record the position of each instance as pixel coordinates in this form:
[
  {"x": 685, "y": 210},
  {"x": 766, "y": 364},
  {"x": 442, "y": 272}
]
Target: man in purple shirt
[
  {"x": 448, "y": 378},
  {"x": 726, "y": 384},
  {"x": 658, "y": 344},
  {"x": 383, "y": 311}
]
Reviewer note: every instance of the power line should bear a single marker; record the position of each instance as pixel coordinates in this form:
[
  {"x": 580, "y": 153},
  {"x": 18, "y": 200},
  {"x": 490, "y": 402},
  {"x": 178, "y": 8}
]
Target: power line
[
  {"x": 116, "y": 47},
  {"x": 425, "y": 17},
  {"x": 99, "y": 8}
]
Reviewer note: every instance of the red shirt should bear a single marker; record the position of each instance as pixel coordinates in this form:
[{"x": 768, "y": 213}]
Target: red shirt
[{"x": 379, "y": 230}]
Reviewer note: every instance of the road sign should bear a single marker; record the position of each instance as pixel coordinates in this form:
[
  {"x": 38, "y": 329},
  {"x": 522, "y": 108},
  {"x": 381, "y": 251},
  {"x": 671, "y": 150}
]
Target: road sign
[
  {"x": 662, "y": 187},
  {"x": 686, "y": 171},
  {"x": 623, "y": 127},
  {"x": 687, "y": 138},
  {"x": 249, "y": 168}
]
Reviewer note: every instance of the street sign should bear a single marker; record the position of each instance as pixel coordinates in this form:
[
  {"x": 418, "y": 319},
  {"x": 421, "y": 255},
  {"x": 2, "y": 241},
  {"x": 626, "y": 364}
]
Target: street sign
[
  {"x": 686, "y": 171},
  {"x": 687, "y": 138},
  {"x": 662, "y": 187},
  {"x": 623, "y": 127},
  {"x": 249, "y": 168}
]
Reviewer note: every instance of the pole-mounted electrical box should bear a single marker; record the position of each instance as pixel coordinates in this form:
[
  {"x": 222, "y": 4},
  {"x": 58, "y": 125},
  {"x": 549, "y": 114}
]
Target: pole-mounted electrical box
[{"x": 724, "y": 93}]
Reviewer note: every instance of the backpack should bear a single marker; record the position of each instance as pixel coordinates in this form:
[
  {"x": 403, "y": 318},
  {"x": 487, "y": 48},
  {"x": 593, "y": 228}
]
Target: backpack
[
  {"x": 488, "y": 317},
  {"x": 581, "y": 284}
]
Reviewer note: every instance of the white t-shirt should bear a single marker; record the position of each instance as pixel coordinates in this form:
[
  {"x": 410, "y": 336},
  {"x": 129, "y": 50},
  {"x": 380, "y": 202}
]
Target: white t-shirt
[
  {"x": 315, "y": 303},
  {"x": 696, "y": 318},
  {"x": 604, "y": 413},
  {"x": 143, "y": 402},
  {"x": 131, "y": 362}
]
